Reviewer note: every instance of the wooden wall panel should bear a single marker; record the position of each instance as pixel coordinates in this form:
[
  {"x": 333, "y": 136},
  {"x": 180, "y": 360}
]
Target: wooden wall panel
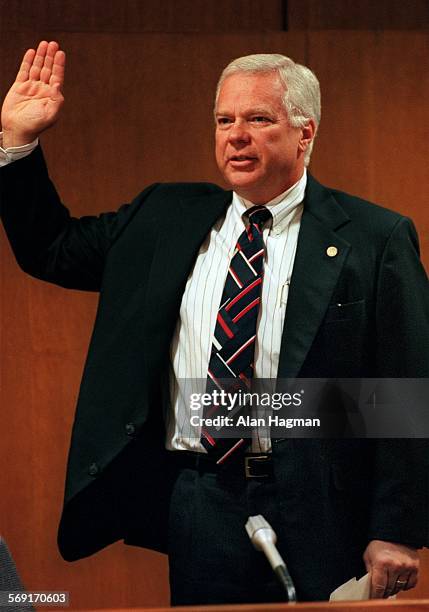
[
  {"x": 357, "y": 14},
  {"x": 374, "y": 134},
  {"x": 138, "y": 109},
  {"x": 140, "y": 15}
]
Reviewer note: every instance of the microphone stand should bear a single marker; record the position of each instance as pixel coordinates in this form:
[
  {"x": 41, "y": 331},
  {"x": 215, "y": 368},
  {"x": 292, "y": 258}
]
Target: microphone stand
[{"x": 264, "y": 538}]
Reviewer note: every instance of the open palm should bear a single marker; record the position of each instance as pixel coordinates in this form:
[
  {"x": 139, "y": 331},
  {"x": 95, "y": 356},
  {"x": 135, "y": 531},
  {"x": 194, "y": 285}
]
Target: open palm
[{"x": 34, "y": 100}]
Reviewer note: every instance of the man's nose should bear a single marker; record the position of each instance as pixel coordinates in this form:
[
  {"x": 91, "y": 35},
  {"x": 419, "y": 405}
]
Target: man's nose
[{"x": 239, "y": 134}]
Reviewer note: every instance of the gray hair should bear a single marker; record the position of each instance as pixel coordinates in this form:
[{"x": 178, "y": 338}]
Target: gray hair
[{"x": 301, "y": 97}]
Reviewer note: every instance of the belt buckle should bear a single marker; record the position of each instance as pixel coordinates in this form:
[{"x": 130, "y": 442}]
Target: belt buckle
[{"x": 248, "y": 460}]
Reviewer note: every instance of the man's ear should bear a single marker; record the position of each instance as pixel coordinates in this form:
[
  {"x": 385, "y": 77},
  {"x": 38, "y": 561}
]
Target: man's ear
[{"x": 308, "y": 133}]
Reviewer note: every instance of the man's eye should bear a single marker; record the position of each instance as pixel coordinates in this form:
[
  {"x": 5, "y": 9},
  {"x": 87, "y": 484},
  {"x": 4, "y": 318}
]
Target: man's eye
[
  {"x": 261, "y": 119},
  {"x": 223, "y": 120}
]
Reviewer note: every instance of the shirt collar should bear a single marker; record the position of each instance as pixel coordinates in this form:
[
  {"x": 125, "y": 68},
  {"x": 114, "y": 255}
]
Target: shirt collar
[{"x": 280, "y": 207}]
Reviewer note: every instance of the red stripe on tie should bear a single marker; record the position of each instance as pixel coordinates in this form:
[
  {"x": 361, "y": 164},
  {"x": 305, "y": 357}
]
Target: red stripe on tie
[
  {"x": 248, "y": 307},
  {"x": 255, "y": 225},
  {"x": 244, "y": 379},
  {"x": 231, "y": 450},
  {"x": 209, "y": 439},
  {"x": 258, "y": 281},
  {"x": 214, "y": 379},
  {"x": 224, "y": 326}
]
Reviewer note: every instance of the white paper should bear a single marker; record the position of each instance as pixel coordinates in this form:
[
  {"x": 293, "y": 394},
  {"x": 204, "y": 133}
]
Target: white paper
[{"x": 353, "y": 590}]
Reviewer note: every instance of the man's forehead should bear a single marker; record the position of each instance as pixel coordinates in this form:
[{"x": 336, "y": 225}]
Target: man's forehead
[{"x": 253, "y": 109}]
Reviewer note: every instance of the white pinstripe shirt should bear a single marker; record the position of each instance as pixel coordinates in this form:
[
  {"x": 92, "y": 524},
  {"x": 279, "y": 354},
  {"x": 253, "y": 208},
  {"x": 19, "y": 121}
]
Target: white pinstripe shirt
[{"x": 192, "y": 341}]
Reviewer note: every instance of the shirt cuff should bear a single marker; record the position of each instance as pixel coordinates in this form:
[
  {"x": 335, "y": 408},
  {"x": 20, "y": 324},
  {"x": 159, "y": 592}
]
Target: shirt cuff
[{"x": 12, "y": 154}]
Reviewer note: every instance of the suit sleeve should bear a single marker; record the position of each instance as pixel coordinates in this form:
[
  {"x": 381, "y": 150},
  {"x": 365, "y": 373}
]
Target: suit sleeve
[
  {"x": 402, "y": 307},
  {"x": 47, "y": 241},
  {"x": 400, "y": 504}
]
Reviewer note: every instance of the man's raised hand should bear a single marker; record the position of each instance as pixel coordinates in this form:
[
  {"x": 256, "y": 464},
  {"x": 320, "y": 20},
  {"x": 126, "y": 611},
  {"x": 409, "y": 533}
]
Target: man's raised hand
[{"x": 33, "y": 102}]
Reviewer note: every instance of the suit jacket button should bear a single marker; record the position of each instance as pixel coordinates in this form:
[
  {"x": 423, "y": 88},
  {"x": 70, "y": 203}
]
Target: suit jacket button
[
  {"x": 130, "y": 429},
  {"x": 93, "y": 469}
]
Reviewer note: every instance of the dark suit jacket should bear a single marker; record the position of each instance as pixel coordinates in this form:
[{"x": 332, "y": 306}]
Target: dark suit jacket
[{"x": 337, "y": 495}]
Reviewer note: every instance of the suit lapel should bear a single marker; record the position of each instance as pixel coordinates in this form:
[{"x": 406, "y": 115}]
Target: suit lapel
[
  {"x": 315, "y": 275},
  {"x": 178, "y": 245}
]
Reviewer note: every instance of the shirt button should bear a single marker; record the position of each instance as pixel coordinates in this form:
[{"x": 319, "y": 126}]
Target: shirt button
[
  {"x": 130, "y": 429},
  {"x": 93, "y": 469}
]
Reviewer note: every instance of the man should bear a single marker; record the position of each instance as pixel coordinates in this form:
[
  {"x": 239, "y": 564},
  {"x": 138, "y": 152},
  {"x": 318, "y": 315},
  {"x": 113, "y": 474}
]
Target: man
[{"x": 353, "y": 272}]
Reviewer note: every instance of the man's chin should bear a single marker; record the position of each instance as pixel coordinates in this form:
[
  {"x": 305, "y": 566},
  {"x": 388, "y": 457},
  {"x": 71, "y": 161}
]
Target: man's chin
[{"x": 241, "y": 181}]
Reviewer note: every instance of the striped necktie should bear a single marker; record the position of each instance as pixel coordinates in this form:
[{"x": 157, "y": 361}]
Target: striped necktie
[{"x": 231, "y": 362}]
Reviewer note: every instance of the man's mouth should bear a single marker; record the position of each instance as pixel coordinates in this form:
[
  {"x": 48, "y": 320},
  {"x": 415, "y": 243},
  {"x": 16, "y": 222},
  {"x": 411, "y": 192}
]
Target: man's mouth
[{"x": 241, "y": 158}]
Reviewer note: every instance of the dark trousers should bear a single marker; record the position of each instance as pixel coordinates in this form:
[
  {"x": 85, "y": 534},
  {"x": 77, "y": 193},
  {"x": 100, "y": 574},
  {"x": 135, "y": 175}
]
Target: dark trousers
[{"x": 211, "y": 558}]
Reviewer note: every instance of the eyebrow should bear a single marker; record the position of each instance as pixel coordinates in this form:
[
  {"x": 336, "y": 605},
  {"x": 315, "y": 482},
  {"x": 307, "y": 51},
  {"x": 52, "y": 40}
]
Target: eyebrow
[{"x": 257, "y": 110}]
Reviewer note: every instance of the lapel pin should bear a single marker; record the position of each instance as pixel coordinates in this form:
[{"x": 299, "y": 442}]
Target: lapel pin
[{"x": 331, "y": 251}]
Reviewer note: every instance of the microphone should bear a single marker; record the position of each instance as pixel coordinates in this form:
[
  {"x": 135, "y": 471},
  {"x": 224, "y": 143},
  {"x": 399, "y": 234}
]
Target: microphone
[{"x": 263, "y": 538}]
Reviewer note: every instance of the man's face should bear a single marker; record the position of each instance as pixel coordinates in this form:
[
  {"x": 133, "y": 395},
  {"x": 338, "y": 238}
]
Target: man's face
[{"x": 259, "y": 154}]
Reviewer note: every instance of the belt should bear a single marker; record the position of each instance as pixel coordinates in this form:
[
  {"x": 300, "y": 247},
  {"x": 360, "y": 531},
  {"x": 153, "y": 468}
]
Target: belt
[{"x": 248, "y": 466}]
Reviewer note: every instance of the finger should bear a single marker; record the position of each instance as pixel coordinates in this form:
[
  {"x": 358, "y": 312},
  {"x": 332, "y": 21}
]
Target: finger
[
  {"x": 53, "y": 47},
  {"x": 24, "y": 69},
  {"x": 377, "y": 591},
  {"x": 378, "y": 583},
  {"x": 39, "y": 60},
  {"x": 412, "y": 580},
  {"x": 58, "y": 68},
  {"x": 391, "y": 587},
  {"x": 45, "y": 73},
  {"x": 401, "y": 583}
]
